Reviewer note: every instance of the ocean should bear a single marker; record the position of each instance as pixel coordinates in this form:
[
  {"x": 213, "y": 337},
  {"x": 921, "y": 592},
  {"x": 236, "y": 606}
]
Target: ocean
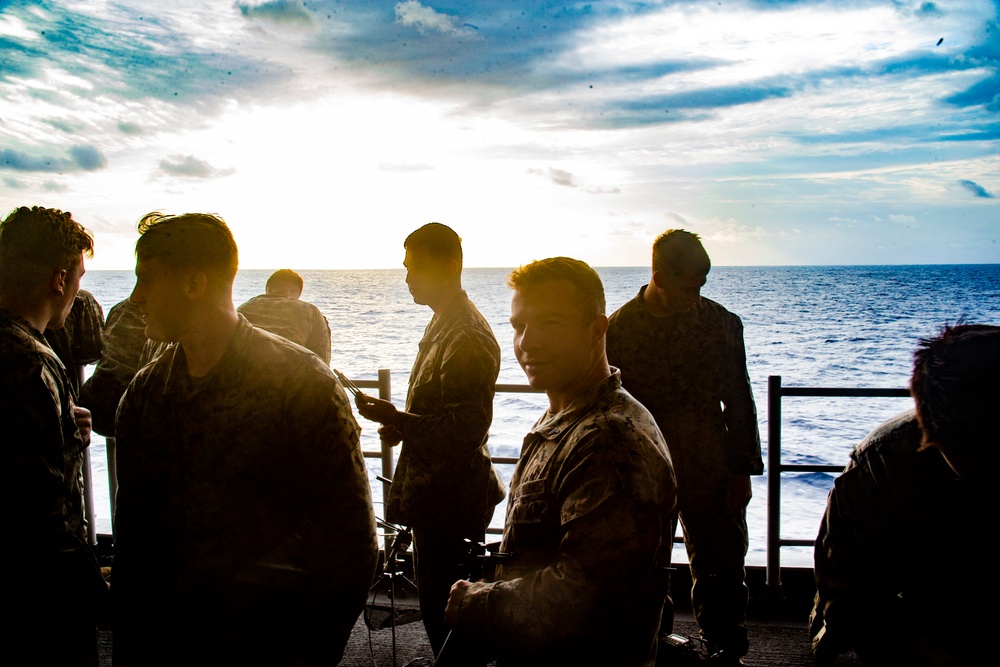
[{"x": 832, "y": 326}]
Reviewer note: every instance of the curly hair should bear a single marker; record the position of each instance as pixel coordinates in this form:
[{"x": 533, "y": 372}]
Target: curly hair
[{"x": 198, "y": 240}]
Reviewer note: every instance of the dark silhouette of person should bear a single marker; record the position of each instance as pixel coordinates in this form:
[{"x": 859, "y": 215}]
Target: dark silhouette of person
[
  {"x": 919, "y": 490},
  {"x": 445, "y": 487},
  {"x": 54, "y": 593},
  {"x": 78, "y": 342},
  {"x": 244, "y": 527},
  {"x": 682, "y": 355}
]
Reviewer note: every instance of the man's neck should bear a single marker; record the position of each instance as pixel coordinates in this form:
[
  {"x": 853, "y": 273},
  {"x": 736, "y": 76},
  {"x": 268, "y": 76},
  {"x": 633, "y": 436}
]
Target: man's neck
[
  {"x": 37, "y": 314},
  {"x": 446, "y": 297},
  {"x": 206, "y": 342},
  {"x": 655, "y": 302}
]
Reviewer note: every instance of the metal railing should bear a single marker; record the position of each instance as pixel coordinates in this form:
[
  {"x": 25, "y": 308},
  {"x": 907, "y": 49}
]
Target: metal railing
[
  {"x": 775, "y": 392},
  {"x": 775, "y": 467}
]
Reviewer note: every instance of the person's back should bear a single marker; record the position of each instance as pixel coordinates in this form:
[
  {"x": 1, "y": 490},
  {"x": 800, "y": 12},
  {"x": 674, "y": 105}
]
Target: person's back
[
  {"x": 903, "y": 559},
  {"x": 244, "y": 527},
  {"x": 281, "y": 311}
]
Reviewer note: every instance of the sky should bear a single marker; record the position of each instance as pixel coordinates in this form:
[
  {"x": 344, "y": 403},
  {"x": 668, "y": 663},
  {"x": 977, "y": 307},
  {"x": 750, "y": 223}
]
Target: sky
[{"x": 323, "y": 132}]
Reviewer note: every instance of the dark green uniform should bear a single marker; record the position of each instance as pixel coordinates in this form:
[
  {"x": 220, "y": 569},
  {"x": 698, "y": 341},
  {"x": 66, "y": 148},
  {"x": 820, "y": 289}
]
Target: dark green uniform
[
  {"x": 689, "y": 370},
  {"x": 299, "y": 321},
  {"x": 244, "y": 528}
]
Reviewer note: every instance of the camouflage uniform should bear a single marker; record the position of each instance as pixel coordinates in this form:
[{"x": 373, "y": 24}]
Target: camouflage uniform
[
  {"x": 883, "y": 589},
  {"x": 53, "y": 593},
  {"x": 689, "y": 370},
  {"x": 124, "y": 337},
  {"x": 445, "y": 486},
  {"x": 298, "y": 321},
  {"x": 588, "y": 524},
  {"x": 244, "y": 529},
  {"x": 78, "y": 342}
]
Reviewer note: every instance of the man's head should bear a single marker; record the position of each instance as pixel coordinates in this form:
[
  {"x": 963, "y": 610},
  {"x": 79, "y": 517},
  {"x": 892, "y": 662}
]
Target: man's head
[
  {"x": 680, "y": 265},
  {"x": 285, "y": 282},
  {"x": 41, "y": 258},
  {"x": 433, "y": 263},
  {"x": 557, "y": 313},
  {"x": 185, "y": 266},
  {"x": 956, "y": 388}
]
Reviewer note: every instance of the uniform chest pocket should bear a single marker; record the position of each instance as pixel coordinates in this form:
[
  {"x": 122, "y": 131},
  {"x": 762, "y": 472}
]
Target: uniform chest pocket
[{"x": 531, "y": 505}]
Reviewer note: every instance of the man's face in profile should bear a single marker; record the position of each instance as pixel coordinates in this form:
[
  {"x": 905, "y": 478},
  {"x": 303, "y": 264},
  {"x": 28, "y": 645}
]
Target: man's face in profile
[
  {"x": 71, "y": 287},
  {"x": 159, "y": 294},
  {"x": 426, "y": 276}
]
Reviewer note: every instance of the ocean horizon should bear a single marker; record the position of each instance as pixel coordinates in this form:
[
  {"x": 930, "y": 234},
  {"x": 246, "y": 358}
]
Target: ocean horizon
[{"x": 848, "y": 325}]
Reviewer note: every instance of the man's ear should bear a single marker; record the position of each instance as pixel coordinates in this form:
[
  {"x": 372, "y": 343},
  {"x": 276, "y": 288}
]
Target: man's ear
[
  {"x": 58, "y": 281},
  {"x": 195, "y": 284},
  {"x": 599, "y": 326},
  {"x": 452, "y": 270},
  {"x": 657, "y": 279}
]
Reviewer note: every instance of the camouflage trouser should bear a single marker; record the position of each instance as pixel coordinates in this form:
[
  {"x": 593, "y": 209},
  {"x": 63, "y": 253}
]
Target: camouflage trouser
[{"x": 717, "y": 542}]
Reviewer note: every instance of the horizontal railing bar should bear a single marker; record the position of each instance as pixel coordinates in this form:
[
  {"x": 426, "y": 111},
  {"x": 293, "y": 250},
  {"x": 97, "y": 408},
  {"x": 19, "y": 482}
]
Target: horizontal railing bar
[
  {"x": 854, "y": 392},
  {"x": 802, "y": 467},
  {"x": 797, "y": 543}
]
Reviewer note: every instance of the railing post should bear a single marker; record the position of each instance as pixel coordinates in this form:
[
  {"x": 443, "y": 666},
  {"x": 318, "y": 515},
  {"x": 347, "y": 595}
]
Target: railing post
[
  {"x": 385, "y": 393},
  {"x": 110, "y": 450},
  {"x": 773, "y": 581},
  {"x": 90, "y": 516}
]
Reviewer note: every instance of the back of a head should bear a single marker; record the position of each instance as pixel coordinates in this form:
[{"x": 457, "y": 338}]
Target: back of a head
[
  {"x": 589, "y": 288},
  {"x": 285, "y": 282},
  {"x": 439, "y": 241},
  {"x": 36, "y": 241},
  {"x": 193, "y": 240},
  {"x": 956, "y": 388},
  {"x": 680, "y": 252}
]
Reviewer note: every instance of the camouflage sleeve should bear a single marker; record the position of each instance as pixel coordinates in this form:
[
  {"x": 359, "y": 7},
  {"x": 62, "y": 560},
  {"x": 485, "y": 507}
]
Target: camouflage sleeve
[
  {"x": 740, "y": 412},
  {"x": 319, "y": 337},
  {"x": 608, "y": 545},
  {"x": 467, "y": 377}
]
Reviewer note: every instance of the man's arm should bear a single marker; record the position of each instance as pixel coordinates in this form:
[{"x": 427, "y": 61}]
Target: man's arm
[
  {"x": 739, "y": 411},
  {"x": 465, "y": 387},
  {"x": 319, "y": 337}
]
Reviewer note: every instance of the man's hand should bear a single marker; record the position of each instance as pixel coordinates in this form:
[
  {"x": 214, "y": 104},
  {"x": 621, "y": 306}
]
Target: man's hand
[
  {"x": 455, "y": 598},
  {"x": 84, "y": 423},
  {"x": 376, "y": 409},
  {"x": 390, "y": 435},
  {"x": 739, "y": 493}
]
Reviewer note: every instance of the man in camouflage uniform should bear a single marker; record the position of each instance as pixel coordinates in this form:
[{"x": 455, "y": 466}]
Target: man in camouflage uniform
[
  {"x": 445, "y": 487},
  {"x": 904, "y": 566},
  {"x": 280, "y": 311},
  {"x": 53, "y": 594},
  {"x": 591, "y": 500},
  {"x": 244, "y": 530},
  {"x": 123, "y": 340},
  {"x": 682, "y": 356}
]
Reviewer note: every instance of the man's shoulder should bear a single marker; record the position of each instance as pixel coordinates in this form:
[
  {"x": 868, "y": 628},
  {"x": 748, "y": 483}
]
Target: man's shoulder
[
  {"x": 631, "y": 309},
  {"x": 464, "y": 320},
  {"x": 897, "y": 437},
  {"x": 714, "y": 309}
]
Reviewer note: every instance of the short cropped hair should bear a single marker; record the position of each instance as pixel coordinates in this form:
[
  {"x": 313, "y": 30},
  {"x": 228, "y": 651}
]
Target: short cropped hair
[
  {"x": 192, "y": 240},
  {"x": 285, "y": 277},
  {"x": 588, "y": 284},
  {"x": 956, "y": 389},
  {"x": 439, "y": 241},
  {"x": 36, "y": 241},
  {"x": 677, "y": 251}
]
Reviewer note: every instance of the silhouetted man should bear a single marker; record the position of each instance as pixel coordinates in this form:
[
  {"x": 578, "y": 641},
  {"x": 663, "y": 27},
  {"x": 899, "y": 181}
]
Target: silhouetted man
[
  {"x": 244, "y": 530},
  {"x": 53, "y": 593},
  {"x": 683, "y": 357},
  {"x": 280, "y": 311},
  {"x": 588, "y": 521},
  {"x": 905, "y": 567},
  {"x": 445, "y": 487}
]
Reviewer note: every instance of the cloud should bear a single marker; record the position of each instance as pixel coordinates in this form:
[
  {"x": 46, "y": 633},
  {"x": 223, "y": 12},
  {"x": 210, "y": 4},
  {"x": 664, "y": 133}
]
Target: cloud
[
  {"x": 676, "y": 219},
  {"x": 53, "y": 186},
  {"x": 404, "y": 168},
  {"x": 908, "y": 219},
  {"x": 188, "y": 166},
  {"x": 425, "y": 19},
  {"x": 126, "y": 127},
  {"x": 81, "y": 158},
  {"x": 14, "y": 183},
  {"x": 976, "y": 189},
  {"x": 277, "y": 11}
]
